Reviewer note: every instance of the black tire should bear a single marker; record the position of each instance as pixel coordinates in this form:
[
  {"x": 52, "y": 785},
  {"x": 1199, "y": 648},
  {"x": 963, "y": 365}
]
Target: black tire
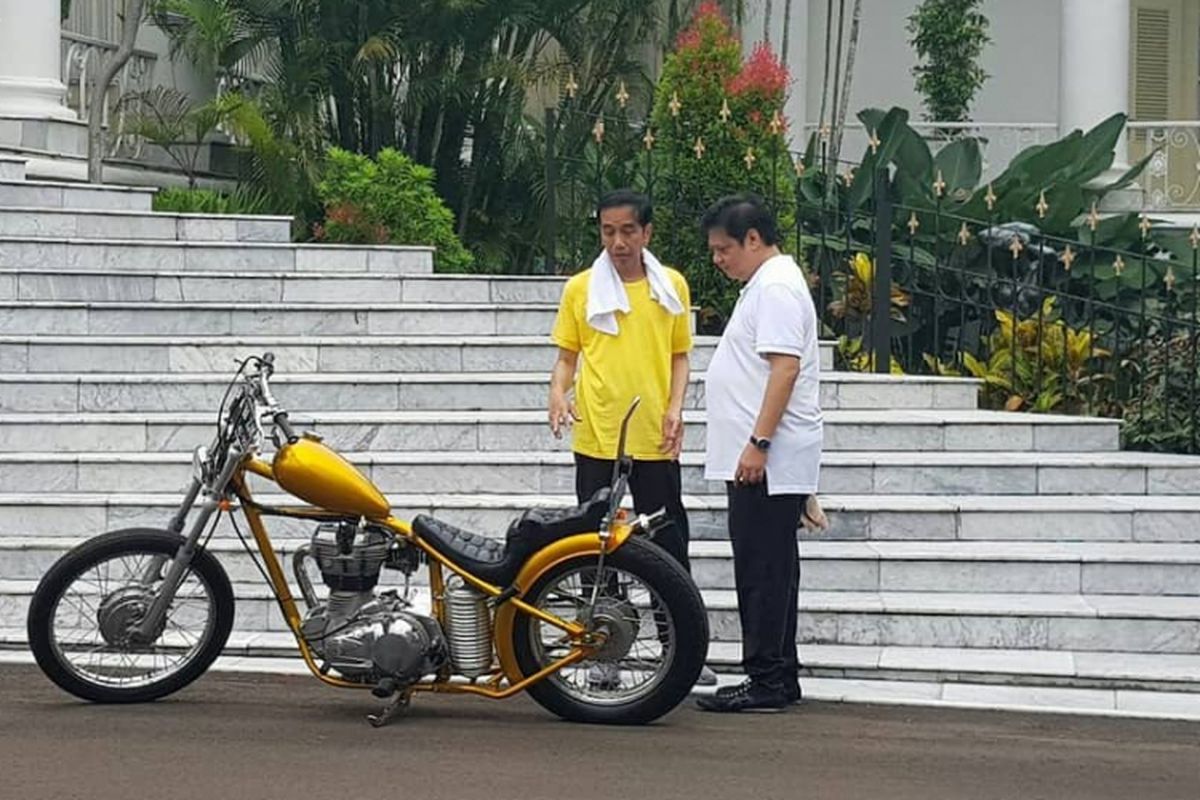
[
  {"x": 143, "y": 541},
  {"x": 656, "y": 569}
]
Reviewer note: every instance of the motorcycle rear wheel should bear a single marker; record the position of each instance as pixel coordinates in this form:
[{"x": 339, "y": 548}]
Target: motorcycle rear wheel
[
  {"x": 658, "y": 637},
  {"x": 94, "y": 595}
]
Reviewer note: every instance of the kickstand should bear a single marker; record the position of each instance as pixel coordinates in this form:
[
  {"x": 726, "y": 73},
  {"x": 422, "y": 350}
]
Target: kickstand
[{"x": 394, "y": 708}]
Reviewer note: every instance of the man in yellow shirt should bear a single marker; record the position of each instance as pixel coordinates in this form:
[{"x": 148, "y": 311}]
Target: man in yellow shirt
[{"x": 630, "y": 318}]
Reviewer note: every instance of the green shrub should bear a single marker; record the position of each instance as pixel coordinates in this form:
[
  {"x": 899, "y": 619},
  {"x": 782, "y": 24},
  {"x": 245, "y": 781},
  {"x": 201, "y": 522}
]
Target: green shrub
[
  {"x": 391, "y": 196},
  {"x": 243, "y": 200},
  {"x": 720, "y": 129}
]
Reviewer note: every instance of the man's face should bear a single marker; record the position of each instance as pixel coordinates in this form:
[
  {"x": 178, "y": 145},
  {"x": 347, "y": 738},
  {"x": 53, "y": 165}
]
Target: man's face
[
  {"x": 623, "y": 236},
  {"x": 737, "y": 260}
]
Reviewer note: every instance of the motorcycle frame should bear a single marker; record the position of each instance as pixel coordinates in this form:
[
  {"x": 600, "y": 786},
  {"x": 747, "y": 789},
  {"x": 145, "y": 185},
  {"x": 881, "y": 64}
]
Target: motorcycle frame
[{"x": 506, "y": 601}]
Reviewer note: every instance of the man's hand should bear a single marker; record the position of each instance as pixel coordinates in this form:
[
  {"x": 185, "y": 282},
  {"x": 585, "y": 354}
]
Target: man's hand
[
  {"x": 562, "y": 414},
  {"x": 672, "y": 428},
  {"x": 752, "y": 466}
]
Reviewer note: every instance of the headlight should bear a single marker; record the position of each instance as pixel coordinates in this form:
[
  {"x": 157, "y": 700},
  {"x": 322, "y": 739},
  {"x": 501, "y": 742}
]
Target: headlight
[{"x": 199, "y": 460}]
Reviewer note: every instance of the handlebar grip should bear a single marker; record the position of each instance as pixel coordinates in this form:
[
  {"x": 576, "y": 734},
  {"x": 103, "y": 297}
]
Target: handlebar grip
[{"x": 281, "y": 422}]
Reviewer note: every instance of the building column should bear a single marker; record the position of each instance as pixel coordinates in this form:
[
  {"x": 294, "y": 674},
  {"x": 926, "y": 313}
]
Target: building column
[
  {"x": 30, "y": 72},
  {"x": 1093, "y": 79}
]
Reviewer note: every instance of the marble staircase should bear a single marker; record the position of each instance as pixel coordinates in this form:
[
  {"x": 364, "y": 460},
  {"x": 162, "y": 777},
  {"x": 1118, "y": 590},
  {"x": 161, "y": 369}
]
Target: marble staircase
[{"x": 975, "y": 557}]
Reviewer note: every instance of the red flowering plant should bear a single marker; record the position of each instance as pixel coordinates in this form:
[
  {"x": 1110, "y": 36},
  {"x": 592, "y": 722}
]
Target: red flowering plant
[
  {"x": 719, "y": 129},
  {"x": 345, "y": 223}
]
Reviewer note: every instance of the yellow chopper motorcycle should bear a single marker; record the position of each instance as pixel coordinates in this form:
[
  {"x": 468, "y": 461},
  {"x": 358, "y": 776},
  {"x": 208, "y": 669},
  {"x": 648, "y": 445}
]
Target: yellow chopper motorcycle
[{"x": 576, "y": 606}]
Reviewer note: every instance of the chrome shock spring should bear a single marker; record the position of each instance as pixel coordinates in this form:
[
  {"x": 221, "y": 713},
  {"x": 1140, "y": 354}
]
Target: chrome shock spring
[{"x": 468, "y": 629}]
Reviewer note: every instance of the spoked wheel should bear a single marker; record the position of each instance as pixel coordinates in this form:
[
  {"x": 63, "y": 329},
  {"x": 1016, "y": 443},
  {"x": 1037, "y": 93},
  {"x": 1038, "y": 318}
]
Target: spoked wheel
[
  {"x": 85, "y": 613},
  {"x": 655, "y": 636}
]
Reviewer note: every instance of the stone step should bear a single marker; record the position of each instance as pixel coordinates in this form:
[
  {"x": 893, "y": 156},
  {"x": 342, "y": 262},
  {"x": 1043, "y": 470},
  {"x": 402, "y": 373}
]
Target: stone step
[
  {"x": 1080, "y": 669},
  {"x": 58, "y": 194},
  {"x": 1001, "y": 668},
  {"x": 507, "y": 431},
  {"x": 212, "y": 319},
  {"x": 1097, "y": 623},
  {"x": 11, "y": 168},
  {"x": 1069, "y": 568},
  {"x": 323, "y": 354},
  {"x": 418, "y": 391},
  {"x": 552, "y": 472},
  {"x": 993, "y": 665},
  {"x": 273, "y": 287},
  {"x": 134, "y": 255},
  {"x": 71, "y": 223},
  {"x": 895, "y": 518}
]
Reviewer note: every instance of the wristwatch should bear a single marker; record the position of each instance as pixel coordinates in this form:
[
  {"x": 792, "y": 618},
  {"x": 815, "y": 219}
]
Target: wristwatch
[{"x": 762, "y": 444}]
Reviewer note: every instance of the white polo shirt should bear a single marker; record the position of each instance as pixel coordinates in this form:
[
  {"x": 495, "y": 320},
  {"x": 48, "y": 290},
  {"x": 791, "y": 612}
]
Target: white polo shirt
[{"x": 774, "y": 314}]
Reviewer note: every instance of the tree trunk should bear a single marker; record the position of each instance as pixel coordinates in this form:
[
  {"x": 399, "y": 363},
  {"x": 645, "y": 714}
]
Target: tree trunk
[
  {"x": 766, "y": 37},
  {"x": 96, "y": 145},
  {"x": 828, "y": 56},
  {"x": 784, "y": 55},
  {"x": 851, "y": 51}
]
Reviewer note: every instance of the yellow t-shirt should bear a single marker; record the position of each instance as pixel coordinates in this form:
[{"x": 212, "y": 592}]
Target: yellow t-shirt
[{"x": 615, "y": 369}]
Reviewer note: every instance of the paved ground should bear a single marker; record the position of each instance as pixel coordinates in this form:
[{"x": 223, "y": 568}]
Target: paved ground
[{"x": 251, "y": 736}]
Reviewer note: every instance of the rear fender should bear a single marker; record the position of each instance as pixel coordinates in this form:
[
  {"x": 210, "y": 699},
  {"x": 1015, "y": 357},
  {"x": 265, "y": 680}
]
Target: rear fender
[{"x": 541, "y": 562}]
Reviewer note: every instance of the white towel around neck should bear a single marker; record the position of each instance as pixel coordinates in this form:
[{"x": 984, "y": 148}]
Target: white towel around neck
[{"x": 607, "y": 295}]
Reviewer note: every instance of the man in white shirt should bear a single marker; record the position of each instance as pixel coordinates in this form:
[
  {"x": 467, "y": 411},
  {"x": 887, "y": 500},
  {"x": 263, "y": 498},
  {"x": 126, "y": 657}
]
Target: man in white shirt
[{"x": 764, "y": 440}]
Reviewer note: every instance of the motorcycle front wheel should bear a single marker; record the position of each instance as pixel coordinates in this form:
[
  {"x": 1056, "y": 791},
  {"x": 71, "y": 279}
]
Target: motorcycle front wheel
[
  {"x": 85, "y": 609},
  {"x": 656, "y": 636}
]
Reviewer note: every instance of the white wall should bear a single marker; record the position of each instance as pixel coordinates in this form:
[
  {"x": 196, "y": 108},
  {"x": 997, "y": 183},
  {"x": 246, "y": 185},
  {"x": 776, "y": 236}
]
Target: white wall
[
  {"x": 1022, "y": 58},
  {"x": 179, "y": 73}
]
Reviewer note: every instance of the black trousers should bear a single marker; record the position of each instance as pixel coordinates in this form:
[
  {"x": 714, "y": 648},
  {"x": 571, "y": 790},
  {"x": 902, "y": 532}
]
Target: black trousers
[
  {"x": 654, "y": 485},
  {"x": 766, "y": 568}
]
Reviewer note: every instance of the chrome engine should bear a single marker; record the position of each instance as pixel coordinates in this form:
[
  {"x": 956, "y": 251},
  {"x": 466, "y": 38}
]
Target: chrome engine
[{"x": 364, "y": 636}]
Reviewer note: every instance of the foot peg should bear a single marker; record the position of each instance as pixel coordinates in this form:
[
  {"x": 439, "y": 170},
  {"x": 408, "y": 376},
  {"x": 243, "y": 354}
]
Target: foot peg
[{"x": 400, "y": 698}]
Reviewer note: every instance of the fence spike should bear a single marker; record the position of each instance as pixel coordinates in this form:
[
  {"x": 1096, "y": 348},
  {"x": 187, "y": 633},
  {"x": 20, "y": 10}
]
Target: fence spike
[
  {"x": 675, "y": 105},
  {"x": 1068, "y": 258}
]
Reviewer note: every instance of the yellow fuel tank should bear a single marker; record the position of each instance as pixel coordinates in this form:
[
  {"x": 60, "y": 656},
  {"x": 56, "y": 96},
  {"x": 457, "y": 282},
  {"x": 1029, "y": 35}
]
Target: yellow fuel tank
[{"x": 316, "y": 474}]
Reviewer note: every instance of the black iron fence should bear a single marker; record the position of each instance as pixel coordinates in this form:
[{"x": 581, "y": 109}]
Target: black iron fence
[{"x": 1049, "y": 324}]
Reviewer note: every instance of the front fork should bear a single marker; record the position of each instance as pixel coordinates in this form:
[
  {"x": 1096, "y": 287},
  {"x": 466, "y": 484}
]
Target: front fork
[{"x": 152, "y": 624}]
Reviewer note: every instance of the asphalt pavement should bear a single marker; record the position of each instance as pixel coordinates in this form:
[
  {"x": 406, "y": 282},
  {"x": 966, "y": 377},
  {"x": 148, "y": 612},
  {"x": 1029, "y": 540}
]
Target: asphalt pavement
[{"x": 232, "y": 736}]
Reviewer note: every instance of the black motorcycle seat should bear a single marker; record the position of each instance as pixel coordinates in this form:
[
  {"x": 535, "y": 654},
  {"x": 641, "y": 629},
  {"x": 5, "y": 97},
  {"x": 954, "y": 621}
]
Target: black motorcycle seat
[{"x": 499, "y": 562}]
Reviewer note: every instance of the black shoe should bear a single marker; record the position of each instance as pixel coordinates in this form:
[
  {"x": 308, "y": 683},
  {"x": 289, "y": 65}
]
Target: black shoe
[
  {"x": 732, "y": 689},
  {"x": 747, "y": 696},
  {"x": 791, "y": 690}
]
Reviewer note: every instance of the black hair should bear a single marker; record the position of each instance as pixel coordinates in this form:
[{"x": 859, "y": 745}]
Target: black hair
[
  {"x": 737, "y": 215},
  {"x": 640, "y": 203}
]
